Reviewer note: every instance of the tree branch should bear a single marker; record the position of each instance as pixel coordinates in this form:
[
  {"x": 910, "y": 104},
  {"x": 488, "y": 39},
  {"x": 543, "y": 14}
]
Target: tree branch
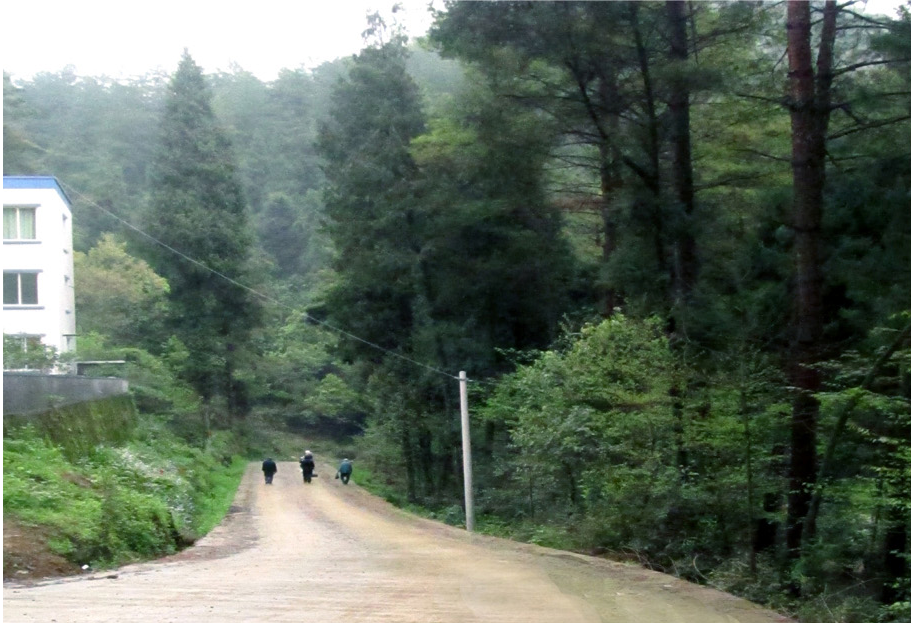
[
  {"x": 756, "y": 152},
  {"x": 843, "y": 414},
  {"x": 868, "y": 126},
  {"x": 640, "y": 171},
  {"x": 728, "y": 181},
  {"x": 856, "y": 66},
  {"x": 780, "y": 101},
  {"x": 867, "y": 18}
]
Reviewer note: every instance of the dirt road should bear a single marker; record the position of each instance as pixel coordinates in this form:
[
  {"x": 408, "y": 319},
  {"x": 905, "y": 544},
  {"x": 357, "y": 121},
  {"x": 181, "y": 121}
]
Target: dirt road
[{"x": 324, "y": 553}]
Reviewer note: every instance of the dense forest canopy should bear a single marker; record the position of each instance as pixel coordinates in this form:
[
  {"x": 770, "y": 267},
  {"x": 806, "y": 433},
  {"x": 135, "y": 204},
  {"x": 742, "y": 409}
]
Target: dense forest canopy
[{"x": 670, "y": 242}]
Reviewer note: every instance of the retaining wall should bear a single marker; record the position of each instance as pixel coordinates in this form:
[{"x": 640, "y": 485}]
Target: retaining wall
[{"x": 26, "y": 393}]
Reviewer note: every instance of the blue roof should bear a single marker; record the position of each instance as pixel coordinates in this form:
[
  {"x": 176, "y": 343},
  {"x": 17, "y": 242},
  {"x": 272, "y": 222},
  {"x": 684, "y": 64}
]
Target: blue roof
[{"x": 35, "y": 181}]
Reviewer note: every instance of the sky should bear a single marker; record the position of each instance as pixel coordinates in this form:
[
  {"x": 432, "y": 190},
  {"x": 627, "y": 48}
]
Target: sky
[{"x": 121, "y": 39}]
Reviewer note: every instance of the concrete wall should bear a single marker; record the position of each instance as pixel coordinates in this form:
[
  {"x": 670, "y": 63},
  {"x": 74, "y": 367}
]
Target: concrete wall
[{"x": 26, "y": 393}]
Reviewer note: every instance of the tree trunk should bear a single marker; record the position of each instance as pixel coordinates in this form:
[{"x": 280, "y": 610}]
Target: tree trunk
[
  {"x": 570, "y": 472},
  {"x": 611, "y": 183},
  {"x": 410, "y": 480},
  {"x": 684, "y": 264},
  {"x": 682, "y": 260},
  {"x": 895, "y": 551},
  {"x": 426, "y": 462},
  {"x": 651, "y": 174},
  {"x": 235, "y": 389},
  {"x": 809, "y": 109}
]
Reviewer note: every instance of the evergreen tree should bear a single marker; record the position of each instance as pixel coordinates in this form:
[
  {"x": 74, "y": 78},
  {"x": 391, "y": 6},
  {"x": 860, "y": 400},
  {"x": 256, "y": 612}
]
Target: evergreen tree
[
  {"x": 197, "y": 208},
  {"x": 810, "y": 97},
  {"x": 369, "y": 199},
  {"x": 371, "y": 209},
  {"x": 446, "y": 249}
]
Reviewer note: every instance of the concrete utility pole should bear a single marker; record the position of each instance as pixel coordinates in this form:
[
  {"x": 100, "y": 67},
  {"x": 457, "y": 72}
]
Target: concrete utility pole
[{"x": 466, "y": 452}]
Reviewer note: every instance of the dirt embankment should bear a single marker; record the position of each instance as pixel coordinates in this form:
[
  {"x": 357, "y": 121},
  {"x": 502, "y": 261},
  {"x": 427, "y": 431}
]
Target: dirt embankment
[
  {"x": 328, "y": 553},
  {"x": 26, "y": 555}
]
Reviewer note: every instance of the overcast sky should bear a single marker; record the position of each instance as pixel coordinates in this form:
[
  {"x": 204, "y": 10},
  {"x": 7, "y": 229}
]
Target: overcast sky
[{"x": 118, "y": 38}]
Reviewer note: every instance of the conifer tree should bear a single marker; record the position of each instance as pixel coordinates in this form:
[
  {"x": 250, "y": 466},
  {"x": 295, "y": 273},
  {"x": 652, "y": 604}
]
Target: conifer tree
[
  {"x": 197, "y": 208},
  {"x": 370, "y": 205},
  {"x": 371, "y": 211}
]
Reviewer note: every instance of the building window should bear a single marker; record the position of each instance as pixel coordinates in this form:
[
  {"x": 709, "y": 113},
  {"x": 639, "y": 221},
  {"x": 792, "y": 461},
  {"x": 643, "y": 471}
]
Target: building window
[
  {"x": 20, "y": 288},
  {"x": 26, "y": 343},
  {"x": 27, "y": 352},
  {"x": 19, "y": 224}
]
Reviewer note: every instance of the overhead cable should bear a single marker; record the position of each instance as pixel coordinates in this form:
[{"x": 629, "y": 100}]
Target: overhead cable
[{"x": 70, "y": 190}]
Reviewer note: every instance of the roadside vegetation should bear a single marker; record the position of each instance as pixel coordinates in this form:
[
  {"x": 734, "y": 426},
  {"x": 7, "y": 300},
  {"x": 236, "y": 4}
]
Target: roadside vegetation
[{"x": 147, "y": 497}]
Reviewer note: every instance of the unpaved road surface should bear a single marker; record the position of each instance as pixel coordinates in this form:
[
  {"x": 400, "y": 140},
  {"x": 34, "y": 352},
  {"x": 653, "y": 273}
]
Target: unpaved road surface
[{"x": 324, "y": 553}]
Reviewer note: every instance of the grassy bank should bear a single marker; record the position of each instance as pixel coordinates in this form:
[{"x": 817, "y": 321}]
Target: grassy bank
[{"x": 145, "y": 497}]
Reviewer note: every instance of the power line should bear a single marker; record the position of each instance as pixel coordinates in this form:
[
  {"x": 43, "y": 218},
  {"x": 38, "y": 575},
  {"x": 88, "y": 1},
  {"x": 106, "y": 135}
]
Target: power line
[{"x": 261, "y": 295}]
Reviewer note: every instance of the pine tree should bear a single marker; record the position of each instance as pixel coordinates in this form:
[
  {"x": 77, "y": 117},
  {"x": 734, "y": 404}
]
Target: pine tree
[
  {"x": 369, "y": 197},
  {"x": 197, "y": 208},
  {"x": 372, "y": 210}
]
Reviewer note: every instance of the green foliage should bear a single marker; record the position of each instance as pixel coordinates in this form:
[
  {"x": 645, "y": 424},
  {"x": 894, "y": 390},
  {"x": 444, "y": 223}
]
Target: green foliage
[
  {"x": 334, "y": 400},
  {"x": 835, "y": 609},
  {"x": 462, "y": 199},
  {"x": 197, "y": 207},
  {"x": 120, "y": 296},
  {"x": 155, "y": 383},
  {"x": 31, "y": 355},
  {"x": 221, "y": 484},
  {"x": 599, "y": 71},
  {"x": 272, "y": 128},
  {"x": 598, "y": 449},
  {"x": 298, "y": 382},
  {"x": 866, "y": 469},
  {"x": 113, "y": 504},
  {"x": 592, "y": 423},
  {"x": 370, "y": 174},
  {"x": 95, "y": 134},
  {"x": 45, "y": 460},
  {"x": 761, "y": 584}
]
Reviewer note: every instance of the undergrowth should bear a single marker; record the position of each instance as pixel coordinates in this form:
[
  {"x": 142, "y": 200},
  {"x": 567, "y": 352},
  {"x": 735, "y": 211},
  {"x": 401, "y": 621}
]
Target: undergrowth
[{"x": 147, "y": 497}]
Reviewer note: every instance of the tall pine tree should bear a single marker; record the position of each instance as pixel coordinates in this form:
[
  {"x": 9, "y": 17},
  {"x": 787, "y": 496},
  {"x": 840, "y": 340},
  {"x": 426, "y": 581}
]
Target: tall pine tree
[
  {"x": 369, "y": 196},
  {"x": 197, "y": 207},
  {"x": 371, "y": 213}
]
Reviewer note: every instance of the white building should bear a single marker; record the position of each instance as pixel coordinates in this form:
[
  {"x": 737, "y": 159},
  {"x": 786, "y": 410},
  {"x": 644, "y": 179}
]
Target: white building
[{"x": 38, "y": 292}]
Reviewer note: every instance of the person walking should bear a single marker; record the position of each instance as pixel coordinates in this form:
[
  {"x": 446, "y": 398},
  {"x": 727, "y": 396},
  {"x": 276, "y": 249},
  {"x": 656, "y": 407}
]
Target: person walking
[
  {"x": 307, "y": 466},
  {"x": 269, "y": 469},
  {"x": 344, "y": 471}
]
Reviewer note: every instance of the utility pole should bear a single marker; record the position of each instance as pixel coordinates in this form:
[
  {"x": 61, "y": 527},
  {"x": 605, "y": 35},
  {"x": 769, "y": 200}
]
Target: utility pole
[{"x": 466, "y": 452}]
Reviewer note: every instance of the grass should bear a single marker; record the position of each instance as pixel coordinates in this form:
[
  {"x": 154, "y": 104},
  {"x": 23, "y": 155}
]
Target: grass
[
  {"x": 146, "y": 497},
  {"x": 213, "y": 506}
]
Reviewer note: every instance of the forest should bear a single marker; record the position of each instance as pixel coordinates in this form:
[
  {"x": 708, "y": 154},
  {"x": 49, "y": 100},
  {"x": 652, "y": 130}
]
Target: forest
[{"x": 669, "y": 243}]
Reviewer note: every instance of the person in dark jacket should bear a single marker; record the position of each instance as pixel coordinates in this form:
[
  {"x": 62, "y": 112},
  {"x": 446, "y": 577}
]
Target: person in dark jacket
[
  {"x": 344, "y": 471},
  {"x": 307, "y": 466},
  {"x": 269, "y": 469}
]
